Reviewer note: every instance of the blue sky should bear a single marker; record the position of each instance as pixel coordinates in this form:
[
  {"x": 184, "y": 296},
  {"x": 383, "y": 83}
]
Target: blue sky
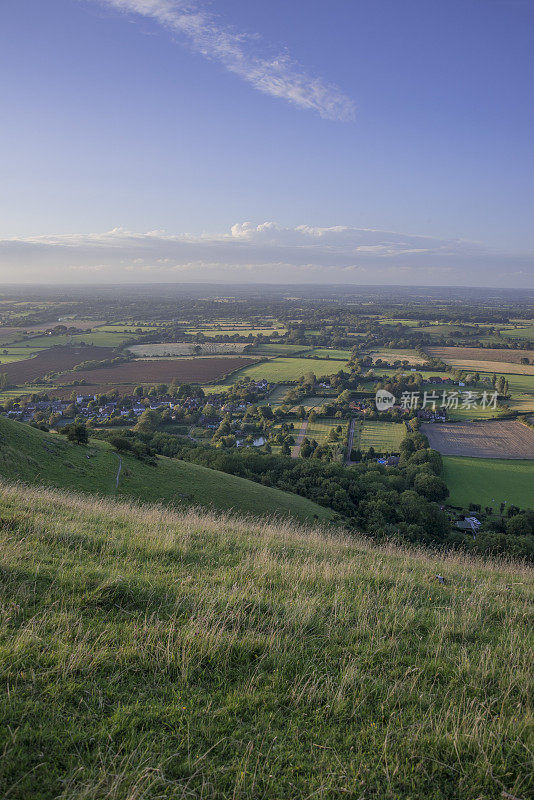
[{"x": 177, "y": 140}]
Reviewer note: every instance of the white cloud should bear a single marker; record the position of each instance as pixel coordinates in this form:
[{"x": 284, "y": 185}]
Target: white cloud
[
  {"x": 279, "y": 76},
  {"x": 265, "y": 253}
]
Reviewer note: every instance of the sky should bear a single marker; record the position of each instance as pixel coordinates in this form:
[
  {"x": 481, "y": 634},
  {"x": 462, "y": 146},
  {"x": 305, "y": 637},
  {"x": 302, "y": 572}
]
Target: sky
[{"x": 348, "y": 141}]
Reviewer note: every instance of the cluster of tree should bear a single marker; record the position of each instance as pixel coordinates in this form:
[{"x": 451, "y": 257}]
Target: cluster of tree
[
  {"x": 100, "y": 364},
  {"x": 399, "y": 502}
]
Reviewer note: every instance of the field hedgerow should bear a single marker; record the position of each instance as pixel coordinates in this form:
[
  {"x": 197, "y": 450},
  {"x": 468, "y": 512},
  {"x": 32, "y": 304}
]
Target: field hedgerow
[{"x": 152, "y": 654}]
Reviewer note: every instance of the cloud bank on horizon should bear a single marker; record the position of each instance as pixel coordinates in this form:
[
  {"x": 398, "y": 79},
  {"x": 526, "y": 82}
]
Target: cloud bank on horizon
[
  {"x": 279, "y": 76},
  {"x": 265, "y": 253}
]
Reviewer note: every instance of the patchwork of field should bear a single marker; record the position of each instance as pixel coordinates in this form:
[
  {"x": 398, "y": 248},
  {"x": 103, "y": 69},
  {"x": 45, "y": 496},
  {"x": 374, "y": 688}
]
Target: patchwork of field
[
  {"x": 237, "y": 331},
  {"x": 56, "y": 359},
  {"x": 383, "y": 437},
  {"x": 188, "y": 370},
  {"x": 455, "y": 355},
  {"x": 186, "y": 349},
  {"x": 489, "y": 482},
  {"x": 507, "y": 439}
]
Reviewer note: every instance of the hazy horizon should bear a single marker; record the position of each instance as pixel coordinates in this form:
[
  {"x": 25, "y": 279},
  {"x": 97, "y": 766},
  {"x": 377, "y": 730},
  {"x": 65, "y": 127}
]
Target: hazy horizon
[{"x": 164, "y": 141}]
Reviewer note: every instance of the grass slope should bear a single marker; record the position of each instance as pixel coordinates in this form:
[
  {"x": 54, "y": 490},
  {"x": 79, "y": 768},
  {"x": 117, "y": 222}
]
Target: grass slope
[
  {"x": 489, "y": 481},
  {"x": 147, "y": 654},
  {"x": 29, "y": 455}
]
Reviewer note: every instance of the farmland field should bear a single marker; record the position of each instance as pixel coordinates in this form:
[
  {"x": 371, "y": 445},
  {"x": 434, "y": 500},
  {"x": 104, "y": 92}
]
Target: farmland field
[
  {"x": 489, "y": 482},
  {"x": 323, "y": 352},
  {"x": 57, "y": 359},
  {"x": 507, "y": 439},
  {"x": 382, "y": 436},
  {"x": 280, "y": 349},
  {"x": 310, "y": 402},
  {"x": 501, "y": 367},
  {"x": 452, "y": 355},
  {"x": 190, "y": 370},
  {"x": 186, "y": 348},
  {"x": 391, "y": 355},
  {"x": 96, "y": 337}
]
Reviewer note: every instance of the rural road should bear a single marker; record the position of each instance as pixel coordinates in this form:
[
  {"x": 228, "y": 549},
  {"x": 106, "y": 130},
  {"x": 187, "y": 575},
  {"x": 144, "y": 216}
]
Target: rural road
[
  {"x": 118, "y": 471},
  {"x": 295, "y": 450}
]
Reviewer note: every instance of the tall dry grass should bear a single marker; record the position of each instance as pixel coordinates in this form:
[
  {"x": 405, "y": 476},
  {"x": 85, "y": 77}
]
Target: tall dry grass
[{"x": 150, "y": 653}]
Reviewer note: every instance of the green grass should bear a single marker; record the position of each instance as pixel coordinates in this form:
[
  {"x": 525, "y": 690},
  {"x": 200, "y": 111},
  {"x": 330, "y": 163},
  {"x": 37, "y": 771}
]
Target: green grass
[
  {"x": 150, "y": 656},
  {"x": 325, "y": 352},
  {"x": 287, "y": 369},
  {"x": 320, "y": 430},
  {"x": 489, "y": 481},
  {"x": 384, "y": 437},
  {"x": 11, "y": 394},
  {"x": 29, "y": 455}
]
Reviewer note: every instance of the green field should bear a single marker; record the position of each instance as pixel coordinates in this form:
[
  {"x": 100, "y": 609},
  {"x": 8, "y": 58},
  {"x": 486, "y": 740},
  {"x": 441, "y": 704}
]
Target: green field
[
  {"x": 29, "y": 455},
  {"x": 519, "y": 333},
  {"x": 489, "y": 481},
  {"x": 282, "y": 369},
  {"x": 148, "y": 655},
  {"x": 325, "y": 352},
  {"x": 521, "y": 388},
  {"x": 320, "y": 430},
  {"x": 384, "y": 437},
  {"x": 28, "y": 348}
]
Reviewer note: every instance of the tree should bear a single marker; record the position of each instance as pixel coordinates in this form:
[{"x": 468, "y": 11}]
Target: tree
[
  {"x": 121, "y": 444},
  {"x": 148, "y": 421},
  {"x": 77, "y": 433},
  {"x": 430, "y": 486}
]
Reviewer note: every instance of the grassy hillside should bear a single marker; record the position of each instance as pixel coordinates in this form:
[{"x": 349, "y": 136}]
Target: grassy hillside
[
  {"x": 148, "y": 654},
  {"x": 29, "y": 455},
  {"x": 489, "y": 481}
]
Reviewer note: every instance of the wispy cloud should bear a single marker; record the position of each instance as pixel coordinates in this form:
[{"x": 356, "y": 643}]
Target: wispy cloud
[
  {"x": 265, "y": 253},
  {"x": 279, "y": 76}
]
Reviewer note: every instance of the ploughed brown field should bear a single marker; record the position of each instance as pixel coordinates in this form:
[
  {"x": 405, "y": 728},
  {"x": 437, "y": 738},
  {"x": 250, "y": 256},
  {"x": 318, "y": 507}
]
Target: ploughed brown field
[
  {"x": 188, "y": 370},
  {"x": 451, "y": 355},
  {"x": 55, "y": 359},
  {"x": 499, "y": 439}
]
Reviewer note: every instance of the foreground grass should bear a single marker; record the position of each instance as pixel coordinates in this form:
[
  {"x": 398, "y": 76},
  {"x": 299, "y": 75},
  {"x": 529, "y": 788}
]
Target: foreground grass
[{"x": 147, "y": 654}]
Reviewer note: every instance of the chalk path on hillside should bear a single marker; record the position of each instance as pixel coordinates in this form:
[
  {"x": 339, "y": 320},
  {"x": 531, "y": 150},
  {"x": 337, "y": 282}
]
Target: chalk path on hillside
[
  {"x": 300, "y": 438},
  {"x": 118, "y": 471}
]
